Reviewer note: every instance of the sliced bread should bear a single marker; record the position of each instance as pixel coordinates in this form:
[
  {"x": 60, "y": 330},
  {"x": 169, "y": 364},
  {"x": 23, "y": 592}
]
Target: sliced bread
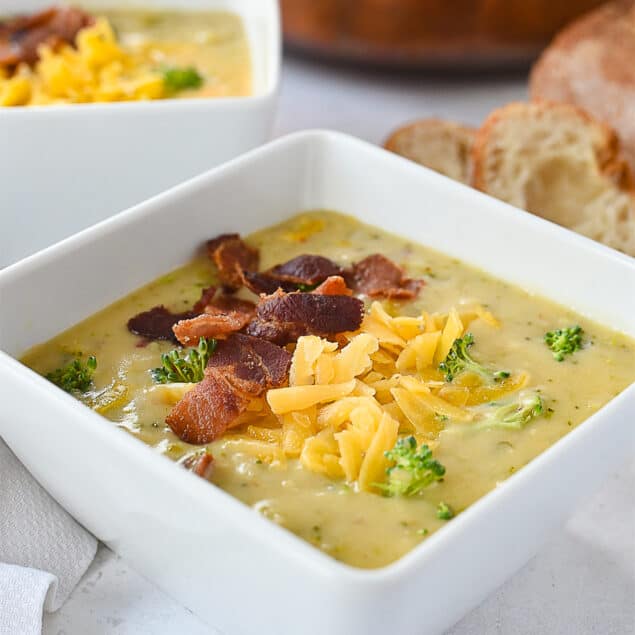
[
  {"x": 443, "y": 146},
  {"x": 556, "y": 161}
]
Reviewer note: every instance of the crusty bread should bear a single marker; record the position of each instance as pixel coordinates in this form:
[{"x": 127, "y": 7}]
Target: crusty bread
[
  {"x": 443, "y": 146},
  {"x": 558, "y": 162},
  {"x": 591, "y": 64}
]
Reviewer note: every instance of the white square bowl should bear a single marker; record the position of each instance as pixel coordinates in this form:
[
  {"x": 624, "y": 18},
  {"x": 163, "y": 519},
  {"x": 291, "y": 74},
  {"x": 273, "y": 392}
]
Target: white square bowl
[
  {"x": 240, "y": 572},
  {"x": 63, "y": 168}
]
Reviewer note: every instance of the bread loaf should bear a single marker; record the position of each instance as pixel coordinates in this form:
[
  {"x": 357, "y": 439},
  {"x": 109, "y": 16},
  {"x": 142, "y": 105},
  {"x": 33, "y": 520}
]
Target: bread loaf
[{"x": 591, "y": 64}]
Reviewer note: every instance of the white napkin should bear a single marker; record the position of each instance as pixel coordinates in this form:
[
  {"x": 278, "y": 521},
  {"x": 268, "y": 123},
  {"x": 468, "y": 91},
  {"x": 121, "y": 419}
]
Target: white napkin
[{"x": 43, "y": 551}]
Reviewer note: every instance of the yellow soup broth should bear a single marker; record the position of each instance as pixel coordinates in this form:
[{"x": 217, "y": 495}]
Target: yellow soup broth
[
  {"x": 361, "y": 528},
  {"x": 214, "y": 43},
  {"x": 134, "y": 54}
]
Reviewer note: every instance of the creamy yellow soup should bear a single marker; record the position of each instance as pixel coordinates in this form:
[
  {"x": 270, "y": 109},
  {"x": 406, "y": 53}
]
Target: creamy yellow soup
[
  {"x": 361, "y": 528},
  {"x": 214, "y": 43},
  {"x": 134, "y": 54}
]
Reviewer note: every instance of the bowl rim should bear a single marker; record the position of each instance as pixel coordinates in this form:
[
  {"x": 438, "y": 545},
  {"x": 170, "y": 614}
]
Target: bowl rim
[
  {"x": 272, "y": 50},
  {"x": 287, "y": 544}
]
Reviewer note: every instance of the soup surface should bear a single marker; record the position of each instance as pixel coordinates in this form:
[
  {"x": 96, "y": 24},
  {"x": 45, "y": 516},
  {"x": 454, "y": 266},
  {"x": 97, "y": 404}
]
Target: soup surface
[
  {"x": 214, "y": 43},
  {"x": 359, "y": 526},
  {"x": 123, "y": 55}
]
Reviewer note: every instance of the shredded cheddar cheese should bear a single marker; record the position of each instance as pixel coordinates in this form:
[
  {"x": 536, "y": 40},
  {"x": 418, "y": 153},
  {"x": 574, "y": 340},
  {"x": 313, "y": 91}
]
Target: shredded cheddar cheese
[
  {"x": 98, "y": 70},
  {"x": 345, "y": 407}
]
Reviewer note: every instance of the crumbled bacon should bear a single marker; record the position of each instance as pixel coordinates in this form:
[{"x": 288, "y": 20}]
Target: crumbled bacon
[
  {"x": 232, "y": 256},
  {"x": 377, "y": 276},
  {"x": 333, "y": 285},
  {"x": 206, "y": 411},
  {"x": 212, "y": 316},
  {"x": 250, "y": 364},
  {"x": 260, "y": 283},
  {"x": 230, "y": 303},
  {"x": 307, "y": 269},
  {"x": 207, "y": 296},
  {"x": 241, "y": 369},
  {"x": 283, "y": 317},
  {"x": 20, "y": 37},
  {"x": 189, "y": 332},
  {"x": 320, "y": 314},
  {"x": 157, "y": 323},
  {"x": 222, "y": 317},
  {"x": 280, "y": 333},
  {"x": 199, "y": 464}
]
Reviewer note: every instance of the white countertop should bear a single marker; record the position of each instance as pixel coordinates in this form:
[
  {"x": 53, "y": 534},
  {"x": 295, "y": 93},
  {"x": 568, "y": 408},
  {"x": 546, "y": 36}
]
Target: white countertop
[{"x": 581, "y": 583}]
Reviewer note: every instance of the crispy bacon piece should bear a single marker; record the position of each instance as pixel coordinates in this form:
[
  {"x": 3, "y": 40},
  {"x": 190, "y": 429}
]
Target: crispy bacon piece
[
  {"x": 222, "y": 316},
  {"x": 377, "y": 276},
  {"x": 250, "y": 364},
  {"x": 241, "y": 369},
  {"x": 211, "y": 302},
  {"x": 206, "y": 411},
  {"x": 333, "y": 285},
  {"x": 307, "y": 269},
  {"x": 320, "y": 314},
  {"x": 275, "y": 332},
  {"x": 232, "y": 256},
  {"x": 283, "y": 317},
  {"x": 219, "y": 326},
  {"x": 260, "y": 283},
  {"x": 212, "y": 316},
  {"x": 157, "y": 323},
  {"x": 20, "y": 37},
  {"x": 200, "y": 464},
  {"x": 207, "y": 297}
]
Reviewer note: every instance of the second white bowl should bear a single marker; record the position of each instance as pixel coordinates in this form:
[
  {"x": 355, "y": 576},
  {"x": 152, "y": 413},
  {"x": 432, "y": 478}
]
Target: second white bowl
[{"x": 63, "y": 168}]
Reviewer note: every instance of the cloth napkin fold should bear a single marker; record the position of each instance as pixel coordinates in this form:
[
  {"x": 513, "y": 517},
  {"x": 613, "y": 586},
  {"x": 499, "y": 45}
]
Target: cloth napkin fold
[{"x": 43, "y": 551}]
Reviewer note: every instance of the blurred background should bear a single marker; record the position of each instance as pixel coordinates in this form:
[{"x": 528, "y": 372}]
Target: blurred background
[{"x": 456, "y": 35}]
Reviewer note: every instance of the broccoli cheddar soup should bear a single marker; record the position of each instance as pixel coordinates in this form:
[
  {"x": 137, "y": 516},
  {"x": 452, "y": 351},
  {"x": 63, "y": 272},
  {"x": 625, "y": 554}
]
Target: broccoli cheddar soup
[
  {"x": 65, "y": 54},
  {"x": 356, "y": 388}
]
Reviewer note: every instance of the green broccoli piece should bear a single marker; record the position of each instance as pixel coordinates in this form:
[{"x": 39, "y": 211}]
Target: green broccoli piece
[
  {"x": 189, "y": 368},
  {"x": 413, "y": 469},
  {"x": 444, "y": 511},
  {"x": 564, "y": 342},
  {"x": 514, "y": 415},
  {"x": 458, "y": 361},
  {"x": 76, "y": 376},
  {"x": 176, "y": 79}
]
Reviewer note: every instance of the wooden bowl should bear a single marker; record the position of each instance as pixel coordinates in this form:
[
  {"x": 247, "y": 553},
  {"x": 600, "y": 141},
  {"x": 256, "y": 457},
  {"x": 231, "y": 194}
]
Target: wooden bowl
[{"x": 430, "y": 34}]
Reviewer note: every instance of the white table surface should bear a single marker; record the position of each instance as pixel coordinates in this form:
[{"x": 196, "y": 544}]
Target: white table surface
[{"x": 581, "y": 583}]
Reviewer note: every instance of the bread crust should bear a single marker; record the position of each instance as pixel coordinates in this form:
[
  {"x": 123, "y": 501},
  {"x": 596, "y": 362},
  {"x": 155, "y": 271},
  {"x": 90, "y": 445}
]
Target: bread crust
[
  {"x": 607, "y": 214},
  {"x": 461, "y": 136},
  {"x": 610, "y": 159},
  {"x": 591, "y": 64},
  {"x": 428, "y": 122}
]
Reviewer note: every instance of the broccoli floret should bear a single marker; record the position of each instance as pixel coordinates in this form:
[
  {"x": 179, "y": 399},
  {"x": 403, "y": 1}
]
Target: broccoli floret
[
  {"x": 413, "y": 469},
  {"x": 444, "y": 511},
  {"x": 514, "y": 415},
  {"x": 188, "y": 368},
  {"x": 176, "y": 79},
  {"x": 458, "y": 361},
  {"x": 564, "y": 342},
  {"x": 76, "y": 376}
]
